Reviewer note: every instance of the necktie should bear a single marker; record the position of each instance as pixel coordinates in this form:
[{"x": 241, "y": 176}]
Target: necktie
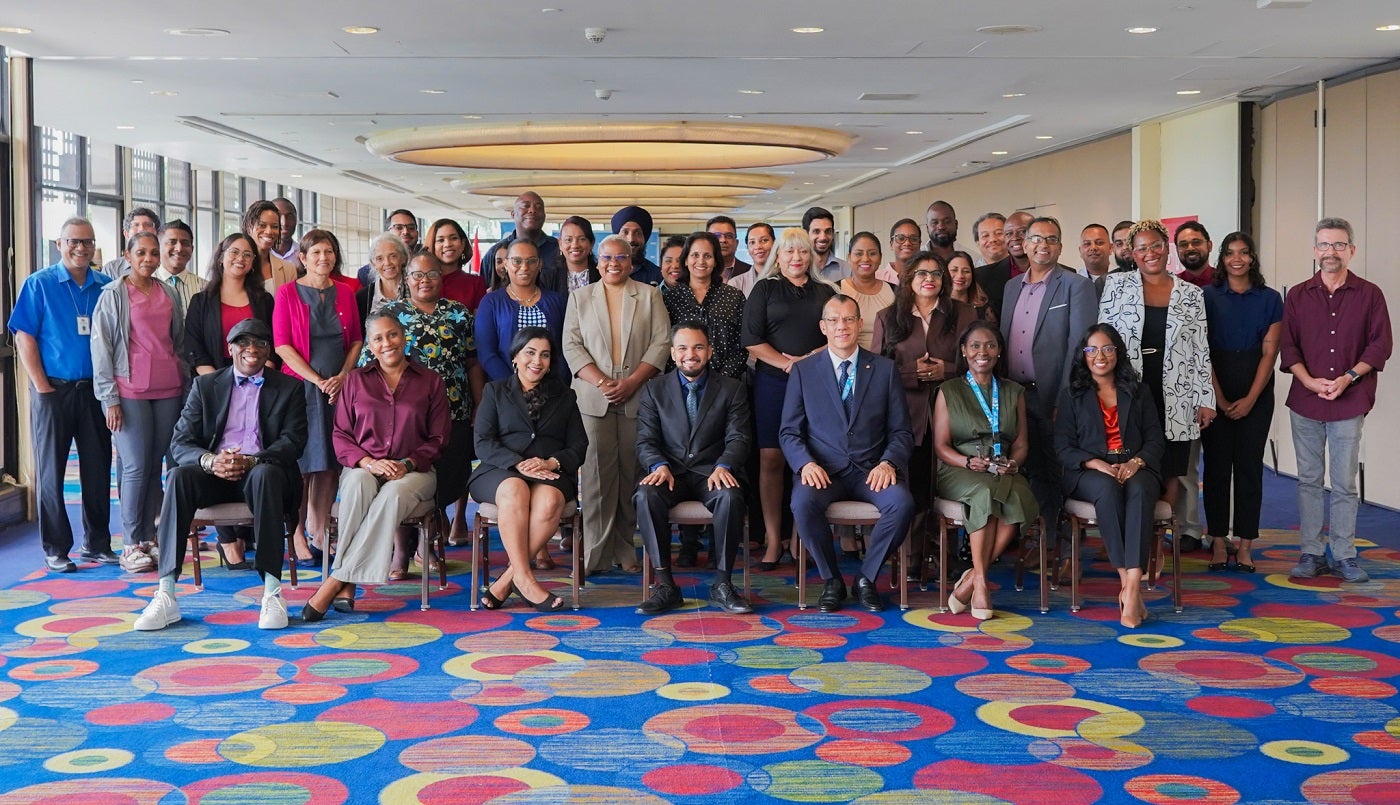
[
  {"x": 847, "y": 398},
  {"x": 256, "y": 381},
  {"x": 692, "y": 402}
]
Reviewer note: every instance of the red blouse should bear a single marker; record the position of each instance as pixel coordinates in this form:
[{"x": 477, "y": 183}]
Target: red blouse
[{"x": 1110, "y": 426}]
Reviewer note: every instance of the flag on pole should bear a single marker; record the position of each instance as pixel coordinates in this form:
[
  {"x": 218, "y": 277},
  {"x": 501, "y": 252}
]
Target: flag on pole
[{"x": 476, "y": 251}]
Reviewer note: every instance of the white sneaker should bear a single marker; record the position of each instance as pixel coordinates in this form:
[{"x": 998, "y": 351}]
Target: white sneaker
[
  {"x": 160, "y": 613},
  {"x": 274, "y": 612}
]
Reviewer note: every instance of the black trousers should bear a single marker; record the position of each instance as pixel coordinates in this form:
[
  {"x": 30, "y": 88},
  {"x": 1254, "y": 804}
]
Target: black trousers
[
  {"x": 270, "y": 491},
  {"x": 1233, "y": 450},
  {"x": 1124, "y": 513},
  {"x": 71, "y": 413},
  {"x": 455, "y": 464},
  {"x": 726, "y": 505},
  {"x": 1042, "y": 463}
]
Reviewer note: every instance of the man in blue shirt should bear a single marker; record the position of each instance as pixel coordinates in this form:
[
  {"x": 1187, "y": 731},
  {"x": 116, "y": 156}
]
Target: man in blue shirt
[{"x": 52, "y": 325}]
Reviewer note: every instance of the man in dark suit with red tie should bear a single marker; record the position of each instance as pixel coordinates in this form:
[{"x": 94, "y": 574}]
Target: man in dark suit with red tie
[
  {"x": 846, "y": 433},
  {"x": 693, "y": 439}
]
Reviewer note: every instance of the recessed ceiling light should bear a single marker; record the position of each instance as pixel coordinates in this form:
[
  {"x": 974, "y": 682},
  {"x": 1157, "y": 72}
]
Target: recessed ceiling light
[
  {"x": 164, "y": 93},
  {"x": 125, "y": 128},
  {"x": 196, "y": 31},
  {"x": 15, "y": 29},
  {"x": 471, "y": 117},
  {"x": 1013, "y": 95},
  {"x": 295, "y": 175},
  {"x": 360, "y": 30},
  {"x": 735, "y": 117},
  {"x": 1378, "y": 28},
  {"x": 810, "y": 29},
  {"x": 913, "y": 132},
  {"x": 138, "y": 80},
  {"x": 809, "y": 182},
  {"x": 550, "y": 10},
  {"x": 1188, "y": 92},
  {"x": 1007, "y": 30},
  {"x": 1044, "y": 137},
  {"x": 879, "y": 148},
  {"x": 1142, "y": 29},
  {"x": 750, "y": 92},
  {"x": 433, "y": 91},
  {"x": 1000, "y": 153}
]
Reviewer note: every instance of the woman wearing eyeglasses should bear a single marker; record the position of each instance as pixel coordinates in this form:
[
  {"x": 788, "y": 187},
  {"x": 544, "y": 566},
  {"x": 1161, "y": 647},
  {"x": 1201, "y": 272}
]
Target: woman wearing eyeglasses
[
  {"x": 1162, "y": 320},
  {"x": 519, "y": 303},
  {"x": 1109, "y": 440},
  {"x": 905, "y": 239}
]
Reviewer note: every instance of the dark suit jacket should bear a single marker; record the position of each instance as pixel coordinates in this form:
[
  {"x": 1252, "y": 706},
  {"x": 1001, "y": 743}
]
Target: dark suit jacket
[
  {"x": 281, "y": 419},
  {"x": 1080, "y": 434},
  {"x": 505, "y": 435},
  {"x": 992, "y": 279},
  {"x": 204, "y": 332},
  {"x": 720, "y": 435},
  {"x": 1069, "y": 308},
  {"x": 815, "y": 427}
]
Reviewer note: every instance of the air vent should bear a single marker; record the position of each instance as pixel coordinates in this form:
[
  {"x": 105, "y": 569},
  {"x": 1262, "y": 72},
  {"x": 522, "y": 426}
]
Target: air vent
[
  {"x": 230, "y": 133},
  {"x": 887, "y": 96}
]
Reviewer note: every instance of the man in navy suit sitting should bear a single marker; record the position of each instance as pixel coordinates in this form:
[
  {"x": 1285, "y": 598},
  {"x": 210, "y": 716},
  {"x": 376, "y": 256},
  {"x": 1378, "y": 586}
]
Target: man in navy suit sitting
[{"x": 846, "y": 433}]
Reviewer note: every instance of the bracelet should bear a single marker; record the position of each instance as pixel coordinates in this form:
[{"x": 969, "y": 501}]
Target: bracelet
[
  {"x": 206, "y": 463},
  {"x": 600, "y": 382}
]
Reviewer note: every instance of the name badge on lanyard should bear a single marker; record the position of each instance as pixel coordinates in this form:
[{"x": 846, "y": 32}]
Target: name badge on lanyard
[{"x": 992, "y": 411}]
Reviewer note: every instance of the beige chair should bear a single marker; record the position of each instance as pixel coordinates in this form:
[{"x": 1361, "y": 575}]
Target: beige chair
[
  {"x": 426, "y": 518},
  {"x": 233, "y": 514},
  {"x": 486, "y": 516},
  {"x": 1081, "y": 515},
  {"x": 865, "y": 515},
  {"x": 693, "y": 512},
  {"x": 952, "y": 515}
]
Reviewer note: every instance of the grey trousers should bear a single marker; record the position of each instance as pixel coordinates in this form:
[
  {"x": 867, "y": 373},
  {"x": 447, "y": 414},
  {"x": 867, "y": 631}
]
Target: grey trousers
[
  {"x": 143, "y": 441},
  {"x": 70, "y": 412},
  {"x": 370, "y": 511},
  {"x": 607, "y": 484}
]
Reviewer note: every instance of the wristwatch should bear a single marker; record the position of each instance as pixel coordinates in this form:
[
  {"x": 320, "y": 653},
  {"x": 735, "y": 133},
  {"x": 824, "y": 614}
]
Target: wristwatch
[{"x": 1354, "y": 375}]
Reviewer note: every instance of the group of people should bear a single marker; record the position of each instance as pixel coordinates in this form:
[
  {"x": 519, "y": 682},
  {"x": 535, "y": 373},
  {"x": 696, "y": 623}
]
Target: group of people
[{"x": 1006, "y": 382}]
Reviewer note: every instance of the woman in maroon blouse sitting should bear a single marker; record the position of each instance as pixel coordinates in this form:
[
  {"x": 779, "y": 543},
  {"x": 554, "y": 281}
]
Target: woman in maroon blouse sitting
[
  {"x": 1109, "y": 439},
  {"x": 391, "y": 423}
]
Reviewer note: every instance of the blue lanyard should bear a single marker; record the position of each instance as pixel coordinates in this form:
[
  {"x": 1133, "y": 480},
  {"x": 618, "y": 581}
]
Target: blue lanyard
[{"x": 992, "y": 412}]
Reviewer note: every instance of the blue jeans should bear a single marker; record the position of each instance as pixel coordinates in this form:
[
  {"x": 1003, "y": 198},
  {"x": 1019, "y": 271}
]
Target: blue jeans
[{"x": 1342, "y": 440}]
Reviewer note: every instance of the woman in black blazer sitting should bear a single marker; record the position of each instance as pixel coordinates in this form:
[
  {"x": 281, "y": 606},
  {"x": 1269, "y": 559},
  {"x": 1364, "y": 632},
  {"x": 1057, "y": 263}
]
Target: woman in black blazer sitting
[
  {"x": 530, "y": 439},
  {"x": 1109, "y": 439}
]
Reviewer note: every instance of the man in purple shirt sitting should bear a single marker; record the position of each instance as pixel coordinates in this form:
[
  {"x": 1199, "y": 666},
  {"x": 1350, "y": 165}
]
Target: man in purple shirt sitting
[
  {"x": 238, "y": 439},
  {"x": 1336, "y": 337}
]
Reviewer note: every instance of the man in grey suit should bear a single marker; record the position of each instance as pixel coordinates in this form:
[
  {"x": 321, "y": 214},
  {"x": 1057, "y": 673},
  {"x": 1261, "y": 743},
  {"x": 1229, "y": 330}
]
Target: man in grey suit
[
  {"x": 693, "y": 439},
  {"x": 1045, "y": 312}
]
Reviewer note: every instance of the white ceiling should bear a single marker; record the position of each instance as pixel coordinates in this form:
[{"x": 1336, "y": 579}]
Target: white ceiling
[{"x": 287, "y": 73}]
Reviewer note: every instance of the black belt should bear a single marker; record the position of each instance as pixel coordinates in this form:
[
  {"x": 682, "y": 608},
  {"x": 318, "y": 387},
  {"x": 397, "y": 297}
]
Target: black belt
[{"x": 1118, "y": 456}]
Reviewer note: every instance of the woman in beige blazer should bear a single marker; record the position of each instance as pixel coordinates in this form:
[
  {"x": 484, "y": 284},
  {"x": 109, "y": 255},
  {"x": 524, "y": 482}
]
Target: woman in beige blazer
[{"x": 615, "y": 340}]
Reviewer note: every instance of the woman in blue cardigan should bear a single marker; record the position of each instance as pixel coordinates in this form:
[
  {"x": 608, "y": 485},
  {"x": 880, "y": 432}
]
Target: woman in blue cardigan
[{"x": 521, "y": 302}]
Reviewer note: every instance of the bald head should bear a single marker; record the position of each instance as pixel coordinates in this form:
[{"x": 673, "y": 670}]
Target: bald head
[{"x": 528, "y": 214}]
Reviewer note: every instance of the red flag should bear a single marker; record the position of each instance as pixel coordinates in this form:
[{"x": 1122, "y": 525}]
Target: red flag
[{"x": 476, "y": 251}]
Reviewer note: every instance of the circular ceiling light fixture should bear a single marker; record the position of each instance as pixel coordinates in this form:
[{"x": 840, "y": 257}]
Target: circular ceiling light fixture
[
  {"x": 609, "y": 145},
  {"x": 196, "y": 31},
  {"x": 808, "y": 29},
  {"x": 360, "y": 30},
  {"x": 597, "y": 206},
  {"x": 1009, "y": 30},
  {"x": 612, "y": 184},
  {"x": 15, "y": 29},
  {"x": 1141, "y": 29}
]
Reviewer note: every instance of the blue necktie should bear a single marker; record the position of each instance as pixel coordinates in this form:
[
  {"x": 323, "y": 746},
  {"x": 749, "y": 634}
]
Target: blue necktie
[
  {"x": 847, "y": 398},
  {"x": 257, "y": 381},
  {"x": 692, "y": 402}
]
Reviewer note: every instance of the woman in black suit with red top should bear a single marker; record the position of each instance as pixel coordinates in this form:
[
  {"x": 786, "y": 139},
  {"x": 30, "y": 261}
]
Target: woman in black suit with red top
[{"x": 1109, "y": 439}]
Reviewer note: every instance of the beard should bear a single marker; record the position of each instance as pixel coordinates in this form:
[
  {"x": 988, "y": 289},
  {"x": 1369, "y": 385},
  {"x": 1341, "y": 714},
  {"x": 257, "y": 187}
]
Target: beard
[
  {"x": 1124, "y": 264},
  {"x": 1191, "y": 261},
  {"x": 941, "y": 240}
]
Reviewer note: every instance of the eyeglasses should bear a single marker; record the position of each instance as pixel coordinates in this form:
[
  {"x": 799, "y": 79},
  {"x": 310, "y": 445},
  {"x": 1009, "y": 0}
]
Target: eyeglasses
[
  {"x": 401, "y": 228},
  {"x": 419, "y": 276},
  {"x": 725, "y": 236},
  {"x": 1339, "y": 246},
  {"x": 614, "y": 258},
  {"x": 840, "y": 319},
  {"x": 1107, "y": 350},
  {"x": 83, "y": 243},
  {"x": 245, "y": 342},
  {"x": 925, "y": 274},
  {"x": 1051, "y": 240},
  {"x": 1015, "y": 233},
  {"x": 904, "y": 239},
  {"x": 1155, "y": 248},
  {"x": 522, "y": 262},
  {"x": 1190, "y": 244}
]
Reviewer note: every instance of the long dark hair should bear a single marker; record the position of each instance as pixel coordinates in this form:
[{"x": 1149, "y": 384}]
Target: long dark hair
[
  {"x": 981, "y": 324},
  {"x": 899, "y": 317},
  {"x": 976, "y": 297},
  {"x": 1124, "y": 375},
  {"x": 690, "y": 240},
  {"x": 1256, "y": 274},
  {"x": 252, "y": 281}
]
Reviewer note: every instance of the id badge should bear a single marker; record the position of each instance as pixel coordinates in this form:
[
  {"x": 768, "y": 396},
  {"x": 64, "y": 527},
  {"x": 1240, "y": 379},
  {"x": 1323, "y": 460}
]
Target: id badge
[{"x": 84, "y": 325}]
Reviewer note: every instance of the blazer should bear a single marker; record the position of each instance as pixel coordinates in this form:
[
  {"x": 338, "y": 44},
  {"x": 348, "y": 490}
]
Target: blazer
[
  {"x": 992, "y": 279},
  {"x": 204, "y": 330},
  {"x": 721, "y": 431},
  {"x": 1066, "y": 313},
  {"x": 495, "y": 327},
  {"x": 918, "y": 395},
  {"x": 1186, "y": 368},
  {"x": 646, "y": 328},
  {"x": 283, "y": 272},
  {"x": 281, "y": 419},
  {"x": 111, "y": 333},
  {"x": 504, "y": 434},
  {"x": 1080, "y": 434},
  {"x": 815, "y": 427}
]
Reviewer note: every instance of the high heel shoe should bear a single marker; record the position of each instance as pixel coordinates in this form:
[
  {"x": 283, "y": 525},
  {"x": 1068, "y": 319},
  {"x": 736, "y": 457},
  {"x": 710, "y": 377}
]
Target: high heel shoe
[
  {"x": 983, "y": 614},
  {"x": 956, "y": 605},
  {"x": 244, "y": 564},
  {"x": 489, "y": 599},
  {"x": 316, "y": 559},
  {"x": 311, "y": 614},
  {"x": 551, "y": 602}
]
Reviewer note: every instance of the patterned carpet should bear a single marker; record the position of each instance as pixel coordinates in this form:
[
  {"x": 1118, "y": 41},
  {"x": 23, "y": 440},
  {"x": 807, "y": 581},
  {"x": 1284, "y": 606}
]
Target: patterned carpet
[{"x": 1262, "y": 690}]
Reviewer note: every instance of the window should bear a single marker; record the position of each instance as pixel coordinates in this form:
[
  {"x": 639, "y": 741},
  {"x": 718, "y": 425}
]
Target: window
[
  {"x": 104, "y": 170},
  {"x": 147, "y": 184}
]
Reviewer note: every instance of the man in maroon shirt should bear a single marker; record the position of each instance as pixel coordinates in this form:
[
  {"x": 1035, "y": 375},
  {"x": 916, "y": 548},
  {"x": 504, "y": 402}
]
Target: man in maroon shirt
[
  {"x": 1193, "y": 251},
  {"x": 1336, "y": 336}
]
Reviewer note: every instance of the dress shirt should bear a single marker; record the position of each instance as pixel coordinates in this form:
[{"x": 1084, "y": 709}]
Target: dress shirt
[
  {"x": 1201, "y": 279},
  {"x": 48, "y": 308},
  {"x": 241, "y": 427},
  {"x": 834, "y": 269},
  {"x": 444, "y": 341},
  {"x": 1329, "y": 333},
  {"x": 412, "y": 421},
  {"x": 836, "y": 361},
  {"x": 1020, "y": 362},
  {"x": 186, "y": 285}
]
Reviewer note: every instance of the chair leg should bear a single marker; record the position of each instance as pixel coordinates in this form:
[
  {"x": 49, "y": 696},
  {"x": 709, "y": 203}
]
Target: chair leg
[
  {"x": 1044, "y": 585},
  {"x": 477, "y": 532},
  {"x": 1176, "y": 571},
  {"x": 942, "y": 564},
  {"x": 903, "y": 574},
  {"x": 647, "y": 579},
  {"x": 744, "y": 547},
  {"x": 194, "y": 554},
  {"x": 290, "y": 528},
  {"x": 800, "y": 555},
  {"x": 576, "y": 558},
  {"x": 1076, "y": 533}
]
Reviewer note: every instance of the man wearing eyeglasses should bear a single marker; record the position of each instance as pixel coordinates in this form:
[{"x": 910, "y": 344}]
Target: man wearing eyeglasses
[
  {"x": 528, "y": 214},
  {"x": 1193, "y": 248},
  {"x": 140, "y": 219},
  {"x": 403, "y": 225},
  {"x": 1336, "y": 337},
  {"x": 727, "y": 232},
  {"x": 52, "y": 326},
  {"x": 1046, "y": 311},
  {"x": 846, "y": 434}
]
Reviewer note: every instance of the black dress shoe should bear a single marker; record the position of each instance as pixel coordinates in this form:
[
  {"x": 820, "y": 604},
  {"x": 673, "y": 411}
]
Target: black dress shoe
[
  {"x": 60, "y": 564},
  {"x": 664, "y": 598},
  {"x": 833, "y": 593},
  {"x": 867, "y": 596},
  {"x": 724, "y": 596},
  {"x": 101, "y": 557}
]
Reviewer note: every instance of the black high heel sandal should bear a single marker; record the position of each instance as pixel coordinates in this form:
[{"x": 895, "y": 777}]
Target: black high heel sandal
[
  {"x": 489, "y": 599},
  {"x": 226, "y": 564},
  {"x": 551, "y": 602}
]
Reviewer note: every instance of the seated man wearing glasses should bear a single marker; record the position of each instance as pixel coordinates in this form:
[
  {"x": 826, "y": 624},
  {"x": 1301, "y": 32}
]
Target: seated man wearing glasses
[
  {"x": 845, "y": 433},
  {"x": 238, "y": 439}
]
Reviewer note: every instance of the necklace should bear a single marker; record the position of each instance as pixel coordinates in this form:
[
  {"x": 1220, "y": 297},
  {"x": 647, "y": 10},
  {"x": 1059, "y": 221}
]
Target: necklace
[{"x": 535, "y": 297}]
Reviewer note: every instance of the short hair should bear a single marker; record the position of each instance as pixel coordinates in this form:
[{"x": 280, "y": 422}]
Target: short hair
[
  {"x": 763, "y": 225},
  {"x": 293, "y": 205},
  {"x": 1196, "y": 226},
  {"x": 999, "y": 370},
  {"x": 619, "y": 240},
  {"x": 941, "y": 203},
  {"x": 75, "y": 220},
  {"x": 524, "y": 336},
  {"x": 792, "y": 237},
  {"x": 918, "y": 230},
  {"x": 1149, "y": 225},
  {"x": 139, "y": 212},
  {"x": 721, "y": 219},
  {"x": 1120, "y": 226},
  {"x": 841, "y": 299},
  {"x": 672, "y": 241},
  {"x": 988, "y": 216},
  {"x": 135, "y": 236},
  {"x": 1336, "y": 223},
  {"x": 1046, "y": 219},
  {"x": 176, "y": 224},
  {"x": 389, "y": 219},
  {"x": 815, "y": 214},
  {"x": 425, "y": 256},
  {"x": 690, "y": 324},
  {"x": 1095, "y": 226},
  {"x": 393, "y": 241},
  {"x": 255, "y": 211},
  {"x": 316, "y": 236},
  {"x": 520, "y": 242},
  {"x": 382, "y": 313}
]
